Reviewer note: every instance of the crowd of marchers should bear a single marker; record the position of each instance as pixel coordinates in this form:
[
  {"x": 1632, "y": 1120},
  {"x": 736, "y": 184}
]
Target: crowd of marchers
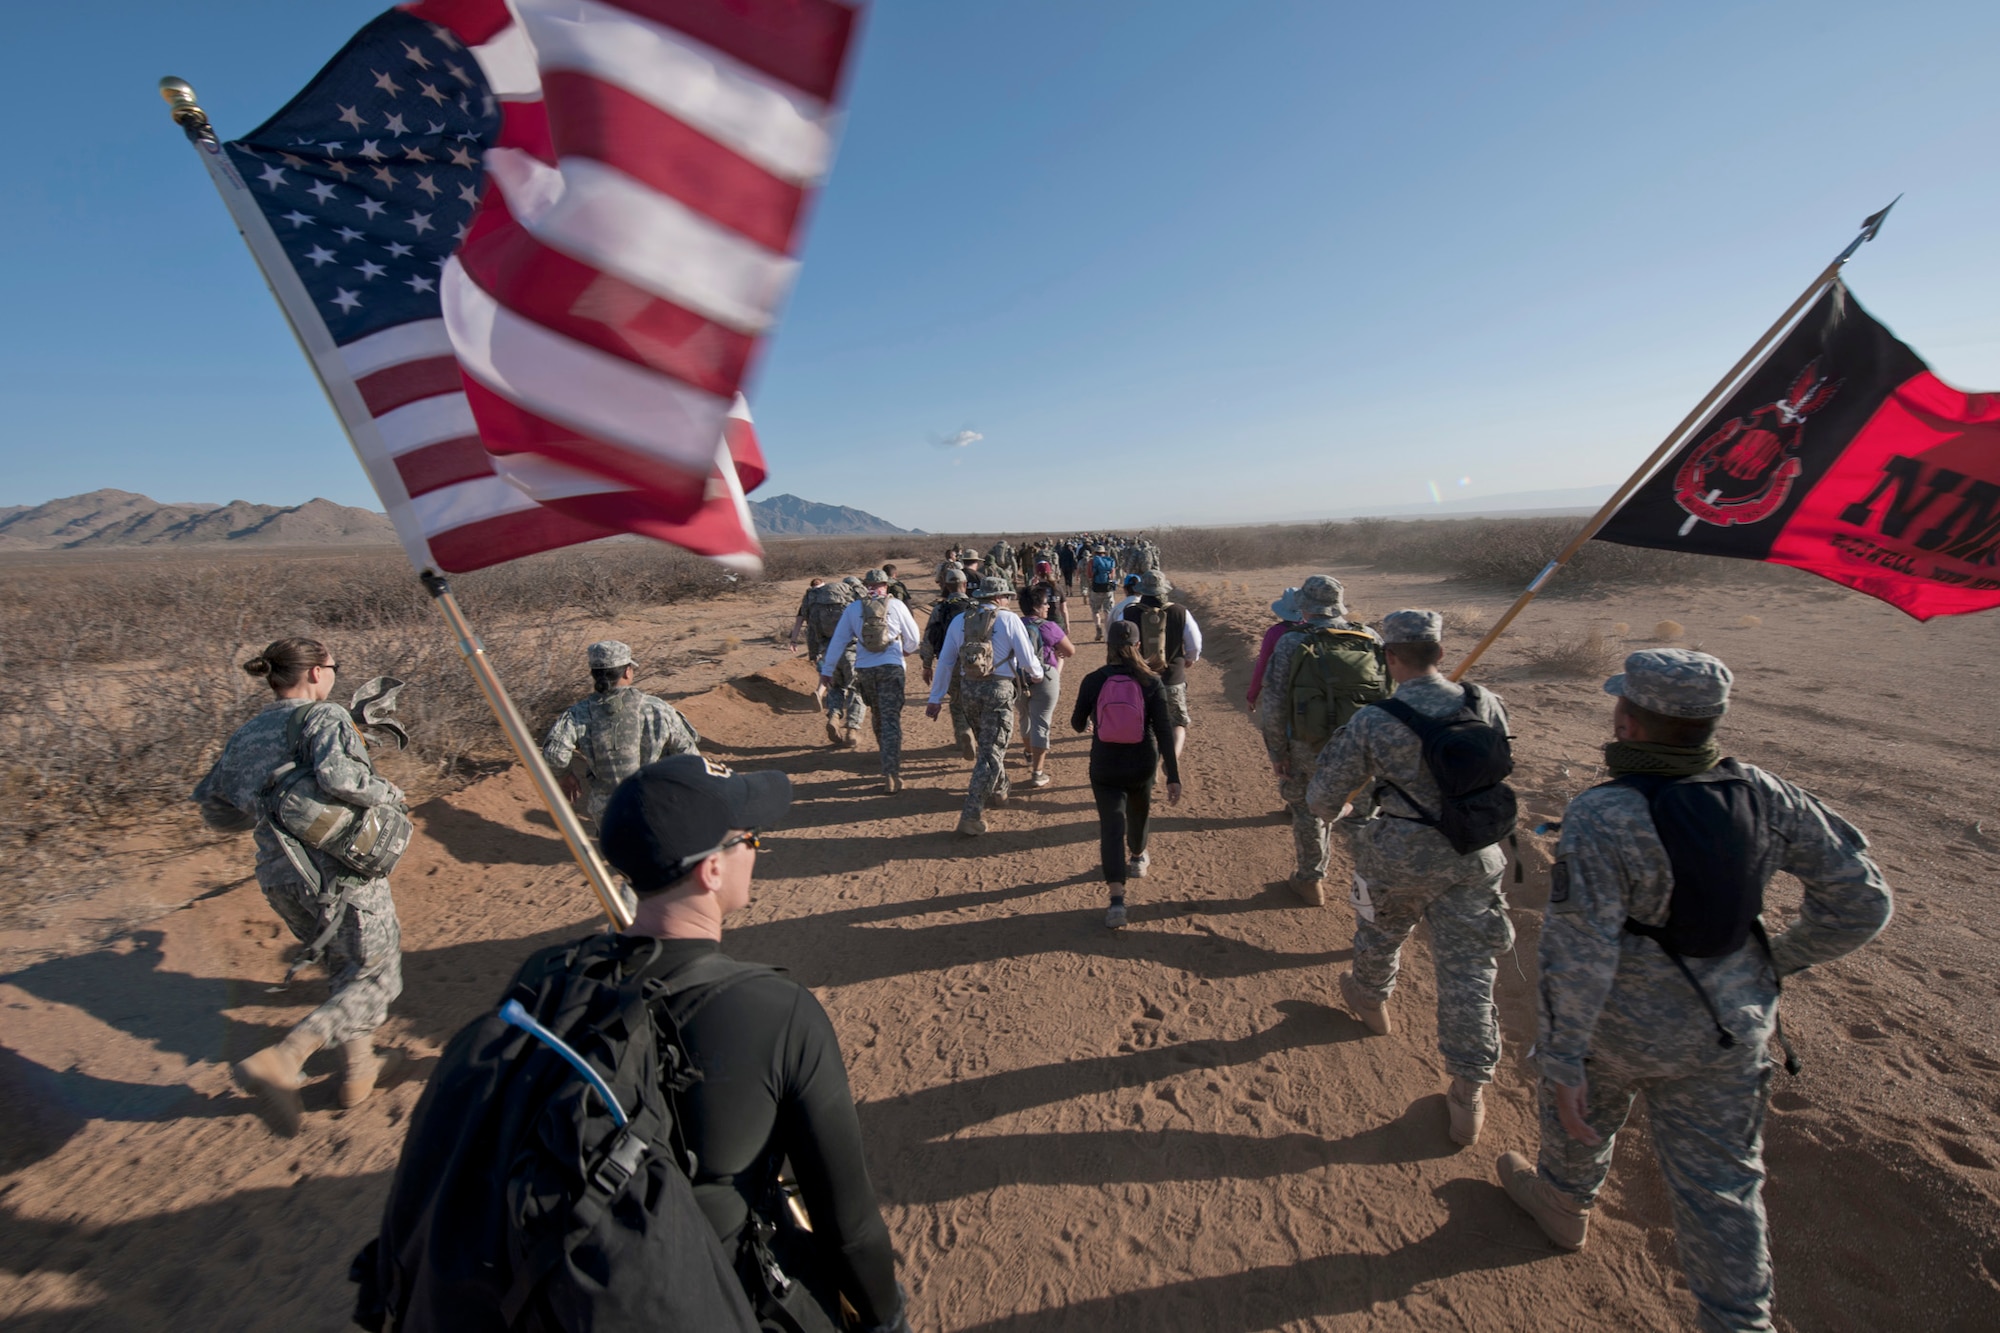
[{"x": 647, "y": 1132}]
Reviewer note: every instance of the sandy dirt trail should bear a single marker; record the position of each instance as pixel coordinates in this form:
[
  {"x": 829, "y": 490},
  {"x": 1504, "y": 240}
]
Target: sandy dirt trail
[{"x": 1175, "y": 1126}]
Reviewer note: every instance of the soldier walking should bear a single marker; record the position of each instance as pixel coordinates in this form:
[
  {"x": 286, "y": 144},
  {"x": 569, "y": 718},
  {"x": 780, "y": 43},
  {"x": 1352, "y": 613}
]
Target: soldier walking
[
  {"x": 1170, "y": 641},
  {"x": 347, "y": 921},
  {"x": 950, "y": 605},
  {"x": 1408, "y": 870},
  {"x": 1321, "y": 671},
  {"x": 612, "y": 733},
  {"x": 992, "y": 650},
  {"x": 819, "y": 611},
  {"x": 881, "y": 630},
  {"x": 1658, "y": 976}
]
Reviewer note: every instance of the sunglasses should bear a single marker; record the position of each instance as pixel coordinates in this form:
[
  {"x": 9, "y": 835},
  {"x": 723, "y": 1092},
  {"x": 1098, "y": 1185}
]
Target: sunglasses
[{"x": 753, "y": 840}]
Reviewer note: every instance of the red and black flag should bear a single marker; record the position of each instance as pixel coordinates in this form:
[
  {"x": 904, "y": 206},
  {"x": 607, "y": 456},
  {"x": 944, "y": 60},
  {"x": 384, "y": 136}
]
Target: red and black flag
[{"x": 1844, "y": 455}]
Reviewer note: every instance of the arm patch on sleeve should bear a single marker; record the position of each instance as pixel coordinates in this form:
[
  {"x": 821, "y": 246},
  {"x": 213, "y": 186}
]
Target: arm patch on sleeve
[{"x": 1559, "y": 886}]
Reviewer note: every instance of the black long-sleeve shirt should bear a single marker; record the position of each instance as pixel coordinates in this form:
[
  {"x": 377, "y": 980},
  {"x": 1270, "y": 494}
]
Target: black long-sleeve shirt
[
  {"x": 774, "y": 1086},
  {"x": 1116, "y": 765}
]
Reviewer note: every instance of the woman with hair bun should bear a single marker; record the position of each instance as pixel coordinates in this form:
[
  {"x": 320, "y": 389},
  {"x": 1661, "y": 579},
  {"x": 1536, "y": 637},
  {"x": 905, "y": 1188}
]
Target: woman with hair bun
[{"x": 351, "y": 918}]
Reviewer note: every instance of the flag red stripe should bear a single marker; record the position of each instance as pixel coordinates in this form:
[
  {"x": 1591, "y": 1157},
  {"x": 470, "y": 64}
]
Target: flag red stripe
[
  {"x": 744, "y": 451},
  {"x": 715, "y": 528},
  {"x": 509, "y": 428},
  {"x": 798, "y": 41},
  {"x": 393, "y": 386},
  {"x": 471, "y": 21},
  {"x": 592, "y": 118},
  {"x": 597, "y": 309},
  {"x": 495, "y": 541},
  {"x": 445, "y": 463},
  {"x": 525, "y": 125}
]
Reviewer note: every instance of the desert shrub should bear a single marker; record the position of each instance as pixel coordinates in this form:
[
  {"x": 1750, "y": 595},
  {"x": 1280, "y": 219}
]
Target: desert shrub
[{"x": 1588, "y": 654}]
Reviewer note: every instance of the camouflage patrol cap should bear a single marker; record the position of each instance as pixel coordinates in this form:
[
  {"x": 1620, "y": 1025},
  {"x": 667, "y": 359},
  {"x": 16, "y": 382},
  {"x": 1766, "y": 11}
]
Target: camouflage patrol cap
[
  {"x": 875, "y": 578},
  {"x": 1674, "y": 681},
  {"x": 953, "y": 577},
  {"x": 1321, "y": 597},
  {"x": 1413, "y": 627},
  {"x": 851, "y": 580},
  {"x": 609, "y": 655},
  {"x": 993, "y": 585},
  {"x": 1154, "y": 584}
]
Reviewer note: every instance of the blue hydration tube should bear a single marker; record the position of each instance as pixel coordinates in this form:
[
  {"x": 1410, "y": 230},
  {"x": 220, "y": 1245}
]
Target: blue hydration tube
[{"x": 513, "y": 1013}]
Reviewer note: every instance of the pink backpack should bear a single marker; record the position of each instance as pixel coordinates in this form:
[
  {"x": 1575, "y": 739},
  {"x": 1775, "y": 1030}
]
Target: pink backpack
[{"x": 1121, "y": 711}]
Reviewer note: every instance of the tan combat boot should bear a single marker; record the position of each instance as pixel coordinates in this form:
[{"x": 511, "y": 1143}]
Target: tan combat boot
[
  {"x": 274, "y": 1076},
  {"x": 1467, "y": 1103},
  {"x": 1311, "y": 889},
  {"x": 970, "y": 826},
  {"x": 892, "y": 783},
  {"x": 834, "y": 735},
  {"x": 1561, "y": 1218},
  {"x": 366, "y": 1070},
  {"x": 1373, "y": 1013}
]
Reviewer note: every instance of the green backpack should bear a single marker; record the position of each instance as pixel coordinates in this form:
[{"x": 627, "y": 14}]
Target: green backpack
[{"x": 1335, "y": 673}]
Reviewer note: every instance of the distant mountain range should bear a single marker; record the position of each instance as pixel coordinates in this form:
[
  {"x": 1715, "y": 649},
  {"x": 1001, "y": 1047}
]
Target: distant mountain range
[
  {"x": 121, "y": 518},
  {"x": 789, "y": 516}
]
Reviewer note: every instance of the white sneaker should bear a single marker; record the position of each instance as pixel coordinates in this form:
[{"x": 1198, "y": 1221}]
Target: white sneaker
[
  {"x": 1136, "y": 867},
  {"x": 1114, "y": 916}
]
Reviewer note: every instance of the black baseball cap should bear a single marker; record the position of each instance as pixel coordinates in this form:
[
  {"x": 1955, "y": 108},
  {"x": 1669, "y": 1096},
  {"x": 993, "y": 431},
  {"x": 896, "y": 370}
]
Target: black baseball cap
[{"x": 663, "y": 820}]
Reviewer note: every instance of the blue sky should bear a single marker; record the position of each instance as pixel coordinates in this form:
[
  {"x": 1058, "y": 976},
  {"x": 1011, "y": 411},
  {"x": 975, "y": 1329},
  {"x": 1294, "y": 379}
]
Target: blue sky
[{"x": 1173, "y": 262}]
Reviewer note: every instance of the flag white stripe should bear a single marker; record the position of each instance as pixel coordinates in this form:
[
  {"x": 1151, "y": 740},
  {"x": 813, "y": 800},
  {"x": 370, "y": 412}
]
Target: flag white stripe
[
  {"x": 773, "y": 124},
  {"x": 602, "y": 217},
  {"x": 507, "y": 59},
  {"x": 448, "y": 416},
  {"x": 545, "y": 479},
  {"x": 593, "y": 392},
  {"x": 467, "y": 502},
  {"x": 418, "y": 340}
]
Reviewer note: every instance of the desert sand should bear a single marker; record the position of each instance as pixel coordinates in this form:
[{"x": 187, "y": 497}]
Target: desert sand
[{"x": 1171, "y": 1127}]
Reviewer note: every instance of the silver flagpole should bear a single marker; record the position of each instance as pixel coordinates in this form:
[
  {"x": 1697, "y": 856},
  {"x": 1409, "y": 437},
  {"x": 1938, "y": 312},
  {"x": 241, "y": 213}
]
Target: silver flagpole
[{"x": 324, "y": 357}]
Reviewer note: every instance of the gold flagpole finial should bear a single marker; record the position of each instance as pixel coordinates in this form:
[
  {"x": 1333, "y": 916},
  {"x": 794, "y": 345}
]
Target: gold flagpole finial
[{"x": 187, "y": 113}]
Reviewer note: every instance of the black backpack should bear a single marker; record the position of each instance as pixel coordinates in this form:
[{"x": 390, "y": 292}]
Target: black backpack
[
  {"x": 520, "y": 1203},
  {"x": 1470, "y": 759},
  {"x": 1723, "y": 856},
  {"x": 946, "y": 611}
]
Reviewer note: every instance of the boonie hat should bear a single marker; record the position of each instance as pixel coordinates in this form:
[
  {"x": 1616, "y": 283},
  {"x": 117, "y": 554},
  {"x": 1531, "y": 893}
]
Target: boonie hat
[
  {"x": 609, "y": 655},
  {"x": 1413, "y": 627},
  {"x": 665, "y": 819},
  {"x": 1321, "y": 598},
  {"x": 993, "y": 585},
  {"x": 1287, "y": 605},
  {"x": 1674, "y": 681},
  {"x": 1154, "y": 584},
  {"x": 875, "y": 578}
]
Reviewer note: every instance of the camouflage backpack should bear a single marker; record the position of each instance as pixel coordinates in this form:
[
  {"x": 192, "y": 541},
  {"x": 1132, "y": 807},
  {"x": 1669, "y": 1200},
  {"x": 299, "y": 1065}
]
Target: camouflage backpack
[
  {"x": 1153, "y": 621},
  {"x": 975, "y": 656},
  {"x": 824, "y": 605},
  {"x": 612, "y": 741},
  {"x": 875, "y": 631},
  {"x": 1335, "y": 673}
]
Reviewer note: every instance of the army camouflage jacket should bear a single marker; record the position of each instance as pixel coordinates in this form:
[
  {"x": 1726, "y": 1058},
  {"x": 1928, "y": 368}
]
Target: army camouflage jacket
[
  {"x": 231, "y": 795},
  {"x": 1274, "y": 706},
  {"x": 1607, "y": 993},
  {"x": 1392, "y": 847},
  {"x": 612, "y": 736}
]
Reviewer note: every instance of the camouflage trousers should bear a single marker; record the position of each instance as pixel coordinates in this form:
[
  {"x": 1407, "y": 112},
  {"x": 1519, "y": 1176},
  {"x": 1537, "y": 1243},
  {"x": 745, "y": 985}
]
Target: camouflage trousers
[
  {"x": 1469, "y": 931},
  {"x": 843, "y": 702},
  {"x": 989, "y": 705},
  {"x": 1708, "y": 1134},
  {"x": 363, "y": 960},
  {"x": 1312, "y": 837},
  {"x": 963, "y": 733},
  {"x": 881, "y": 688}
]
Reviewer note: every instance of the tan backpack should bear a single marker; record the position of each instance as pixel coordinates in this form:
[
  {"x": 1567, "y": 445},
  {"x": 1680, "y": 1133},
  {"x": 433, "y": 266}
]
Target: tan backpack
[
  {"x": 975, "y": 655},
  {"x": 875, "y": 632}
]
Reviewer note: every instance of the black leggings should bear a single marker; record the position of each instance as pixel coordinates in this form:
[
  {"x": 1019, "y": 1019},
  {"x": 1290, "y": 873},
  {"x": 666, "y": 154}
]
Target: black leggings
[{"x": 1121, "y": 823}]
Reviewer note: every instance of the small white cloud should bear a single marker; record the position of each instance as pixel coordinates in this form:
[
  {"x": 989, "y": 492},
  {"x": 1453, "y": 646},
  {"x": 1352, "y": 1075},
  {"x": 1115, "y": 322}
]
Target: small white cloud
[{"x": 960, "y": 439}]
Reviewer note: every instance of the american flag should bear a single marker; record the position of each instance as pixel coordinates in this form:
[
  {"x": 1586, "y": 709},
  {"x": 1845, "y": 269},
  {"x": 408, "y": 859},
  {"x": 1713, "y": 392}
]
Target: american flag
[{"x": 544, "y": 242}]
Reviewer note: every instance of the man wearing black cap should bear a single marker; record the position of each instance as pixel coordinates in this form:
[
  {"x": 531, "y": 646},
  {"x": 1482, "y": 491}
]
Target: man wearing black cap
[{"x": 773, "y": 1088}]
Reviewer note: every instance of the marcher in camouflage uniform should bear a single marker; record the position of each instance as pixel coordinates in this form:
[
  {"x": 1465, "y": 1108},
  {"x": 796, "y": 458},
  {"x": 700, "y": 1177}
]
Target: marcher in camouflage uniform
[
  {"x": 1619, "y": 1016},
  {"x": 1406, "y": 872},
  {"x": 1320, "y": 604},
  {"x": 989, "y": 699},
  {"x": 601, "y": 740},
  {"x": 878, "y": 674},
  {"x": 951, "y": 603},
  {"x": 363, "y": 956}
]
